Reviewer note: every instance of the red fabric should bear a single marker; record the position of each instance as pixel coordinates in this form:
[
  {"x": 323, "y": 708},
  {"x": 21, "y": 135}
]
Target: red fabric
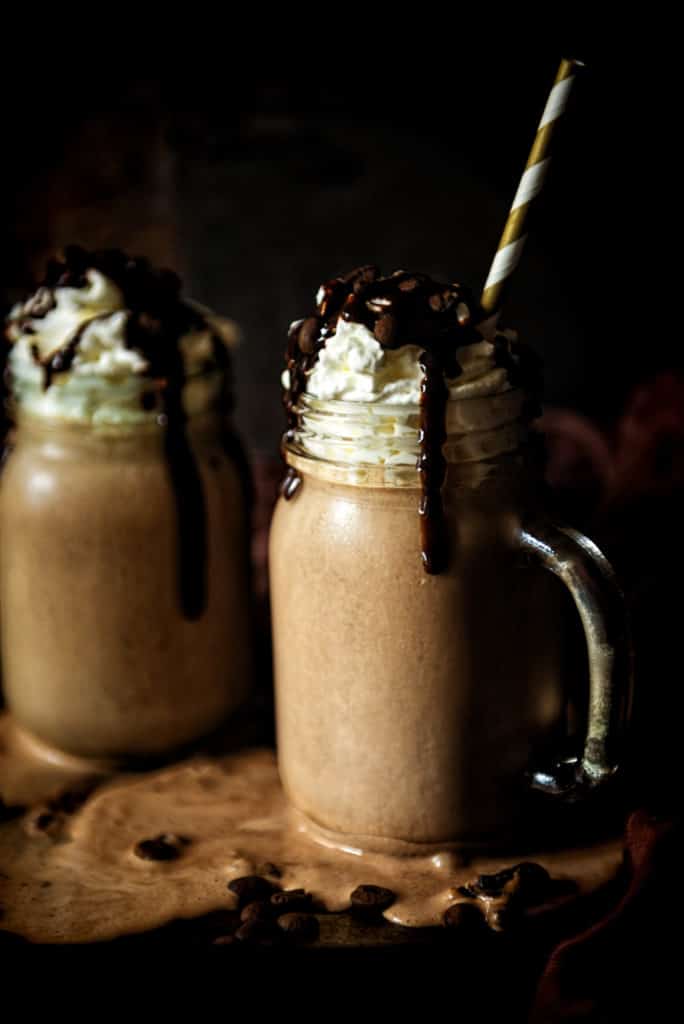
[{"x": 621, "y": 965}]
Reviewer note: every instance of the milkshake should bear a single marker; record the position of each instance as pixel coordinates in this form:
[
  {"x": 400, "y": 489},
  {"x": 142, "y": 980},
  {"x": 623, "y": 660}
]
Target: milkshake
[
  {"x": 417, "y": 658},
  {"x": 123, "y": 521}
]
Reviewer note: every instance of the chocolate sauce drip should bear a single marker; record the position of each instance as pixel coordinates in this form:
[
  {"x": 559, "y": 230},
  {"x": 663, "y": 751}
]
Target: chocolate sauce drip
[
  {"x": 402, "y": 309},
  {"x": 62, "y": 360},
  {"x": 157, "y": 321},
  {"x": 432, "y": 465},
  {"x": 290, "y": 484}
]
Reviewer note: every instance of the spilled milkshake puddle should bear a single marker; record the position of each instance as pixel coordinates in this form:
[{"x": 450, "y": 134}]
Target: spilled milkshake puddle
[{"x": 76, "y": 877}]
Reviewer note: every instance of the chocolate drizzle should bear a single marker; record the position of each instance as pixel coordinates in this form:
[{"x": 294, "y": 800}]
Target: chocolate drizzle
[
  {"x": 157, "y": 321},
  {"x": 62, "y": 360},
  {"x": 290, "y": 484},
  {"x": 402, "y": 309}
]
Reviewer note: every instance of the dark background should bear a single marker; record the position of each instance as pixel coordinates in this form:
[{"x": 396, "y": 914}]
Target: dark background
[{"x": 257, "y": 179}]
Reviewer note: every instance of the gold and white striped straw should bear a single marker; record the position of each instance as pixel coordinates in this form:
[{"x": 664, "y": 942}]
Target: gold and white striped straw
[{"x": 514, "y": 233}]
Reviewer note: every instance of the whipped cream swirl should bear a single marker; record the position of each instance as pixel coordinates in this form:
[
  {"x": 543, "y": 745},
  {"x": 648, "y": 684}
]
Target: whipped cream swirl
[{"x": 84, "y": 347}]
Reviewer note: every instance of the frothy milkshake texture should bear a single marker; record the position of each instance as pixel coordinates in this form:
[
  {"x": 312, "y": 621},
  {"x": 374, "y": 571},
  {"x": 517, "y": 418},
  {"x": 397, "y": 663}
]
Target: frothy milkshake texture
[
  {"x": 123, "y": 519},
  {"x": 395, "y": 561}
]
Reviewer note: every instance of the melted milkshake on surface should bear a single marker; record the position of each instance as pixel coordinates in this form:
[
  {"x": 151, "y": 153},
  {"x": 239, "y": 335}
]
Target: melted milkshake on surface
[
  {"x": 69, "y": 870},
  {"x": 416, "y": 664},
  {"x": 124, "y": 573}
]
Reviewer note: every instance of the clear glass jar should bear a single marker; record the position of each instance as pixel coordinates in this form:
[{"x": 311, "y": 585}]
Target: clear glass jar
[
  {"x": 408, "y": 704},
  {"x": 124, "y": 583}
]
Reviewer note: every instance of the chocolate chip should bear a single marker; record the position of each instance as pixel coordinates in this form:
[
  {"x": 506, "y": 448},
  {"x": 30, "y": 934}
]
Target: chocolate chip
[
  {"x": 299, "y": 927},
  {"x": 439, "y": 302},
  {"x": 379, "y": 304},
  {"x": 257, "y": 931},
  {"x": 464, "y": 915},
  {"x": 164, "y": 847},
  {"x": 251, "y": 889},
  {"x": 371, "y": 899},
  {"x": 385, "y": 328},
  {"x": 307, "y": 334},
  {"x": 361, "y": 276},
  {"x": 291, "y": 900},
  {"x": 259, "y": 910},
  {"x": 409, "y": 284}
]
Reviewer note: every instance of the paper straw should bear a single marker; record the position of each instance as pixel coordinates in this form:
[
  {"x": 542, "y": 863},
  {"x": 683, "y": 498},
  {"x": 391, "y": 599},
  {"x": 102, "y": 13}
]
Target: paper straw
[{"x": 514, "y": 233}]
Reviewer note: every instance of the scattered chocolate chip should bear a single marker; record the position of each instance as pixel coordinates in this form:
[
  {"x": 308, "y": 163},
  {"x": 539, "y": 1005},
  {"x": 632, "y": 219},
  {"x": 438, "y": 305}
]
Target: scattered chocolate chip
[
  {"x": 371, "y": 899},
  {"x": 251, "y": 889},
  {"x": 259, "y": 910},
  {"x": 164, "y": 847},
  {"x": 409, "y": 284},
  {"x": 291, "y": 900},
  {"x": 464, "y": 915},
  {"x": 299, "y": 927},
  {"x": 307, "y": 334},
  {"x": 385, "y": 328},
  {"x": 257, "y": 931}
]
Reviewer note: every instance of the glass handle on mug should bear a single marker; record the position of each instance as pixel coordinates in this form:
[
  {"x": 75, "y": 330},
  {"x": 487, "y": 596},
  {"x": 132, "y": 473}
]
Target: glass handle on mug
[{"x": 590, "y": 578}]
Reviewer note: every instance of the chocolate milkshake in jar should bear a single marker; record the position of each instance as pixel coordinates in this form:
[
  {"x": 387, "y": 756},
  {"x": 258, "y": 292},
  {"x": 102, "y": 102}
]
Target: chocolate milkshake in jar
[
  {"x": 124, "y": 589},
  {"x": 416, "y": 623}
]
